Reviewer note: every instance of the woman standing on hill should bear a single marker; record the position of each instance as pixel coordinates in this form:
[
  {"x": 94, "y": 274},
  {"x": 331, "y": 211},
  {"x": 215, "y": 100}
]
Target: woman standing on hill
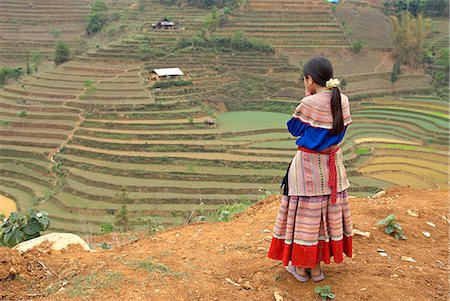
[{"x": 313, "y": 221}]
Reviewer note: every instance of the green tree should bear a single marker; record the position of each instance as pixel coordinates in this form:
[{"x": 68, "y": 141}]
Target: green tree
[
  {"x": 395, "y": 72},
  {"x": 36, "y": 59},
  {"x": 409, "y": 34},
  {"x": 28, "y": 63},
  {"x": 122, "y": 221},
  {"x": 62, "y": 53},
  {"x": 97, "y": 17}
]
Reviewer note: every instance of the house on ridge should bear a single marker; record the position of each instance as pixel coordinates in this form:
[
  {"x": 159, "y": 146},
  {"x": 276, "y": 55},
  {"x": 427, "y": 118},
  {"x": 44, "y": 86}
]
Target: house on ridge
[
  {"x": 164, "y": 24},
  {"x": 165, "y": 73}
]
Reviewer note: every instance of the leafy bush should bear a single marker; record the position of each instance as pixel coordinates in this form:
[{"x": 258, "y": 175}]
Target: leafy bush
[
  {"x": 7, "y": 74},
  {"x": 97, "y": 17},
  {"x": 62, "y": 53},
  {"x": 358, "y": 45},
  {"x": 237, "y": 42},
  {"x": 325, "y": 292},
  {"x": 22, "y": 113},
  {"x": 107, "y": 227},
  {"x": 217, "y": 3},
  {"x": 4, "y": 123},
  {"x": 21, "y": 227},
  {"x": 172, "y": 83},
  {"x": 392, "y": 227}
]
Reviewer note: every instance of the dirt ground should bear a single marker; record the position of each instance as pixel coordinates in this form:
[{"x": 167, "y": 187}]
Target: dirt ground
[{"x": 193, "y": 262}]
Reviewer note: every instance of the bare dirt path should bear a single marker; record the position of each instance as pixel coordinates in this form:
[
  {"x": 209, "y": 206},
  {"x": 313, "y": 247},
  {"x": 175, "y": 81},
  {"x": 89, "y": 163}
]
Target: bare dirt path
[{"x": 382, "y": 62}]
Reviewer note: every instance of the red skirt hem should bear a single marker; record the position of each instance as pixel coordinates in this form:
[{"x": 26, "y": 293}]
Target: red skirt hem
[{"x": 309, "y": 256}]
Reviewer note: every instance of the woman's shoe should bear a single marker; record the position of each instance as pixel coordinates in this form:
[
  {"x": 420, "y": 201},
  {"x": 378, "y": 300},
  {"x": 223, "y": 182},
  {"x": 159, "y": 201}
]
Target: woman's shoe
[
  {"x": 291, "y": 269},
  {"x": 318, "y": 277}
]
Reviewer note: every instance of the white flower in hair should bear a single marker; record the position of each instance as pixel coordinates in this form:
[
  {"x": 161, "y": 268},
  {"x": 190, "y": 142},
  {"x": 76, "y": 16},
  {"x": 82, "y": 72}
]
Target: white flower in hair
[{"x": 333, "y": 83}]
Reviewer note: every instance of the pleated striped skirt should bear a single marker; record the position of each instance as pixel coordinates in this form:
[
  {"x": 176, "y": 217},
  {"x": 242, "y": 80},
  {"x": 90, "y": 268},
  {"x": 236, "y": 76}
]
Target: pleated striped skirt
[{"x": 310, "y": 229}]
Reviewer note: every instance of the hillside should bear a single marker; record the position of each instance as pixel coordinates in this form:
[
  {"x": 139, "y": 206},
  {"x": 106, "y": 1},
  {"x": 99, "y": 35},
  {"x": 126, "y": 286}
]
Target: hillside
[
  {"x": 81, "y": 152},
  {"x": 191, "y": 262}
]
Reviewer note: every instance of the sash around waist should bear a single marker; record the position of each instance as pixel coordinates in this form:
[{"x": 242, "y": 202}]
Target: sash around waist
[{"x": 313, "y": 173}]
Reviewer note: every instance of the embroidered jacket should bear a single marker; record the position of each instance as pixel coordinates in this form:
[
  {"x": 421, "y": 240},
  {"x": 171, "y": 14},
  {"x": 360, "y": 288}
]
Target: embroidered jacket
[{"x": 308, "y": 172}]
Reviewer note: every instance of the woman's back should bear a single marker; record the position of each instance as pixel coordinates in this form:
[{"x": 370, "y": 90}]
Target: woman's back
[{"x": 312, "y": 121}]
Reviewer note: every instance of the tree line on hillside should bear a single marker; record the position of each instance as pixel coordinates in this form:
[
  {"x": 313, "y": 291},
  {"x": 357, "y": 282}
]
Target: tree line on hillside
[{"x": 416, "y": 7}]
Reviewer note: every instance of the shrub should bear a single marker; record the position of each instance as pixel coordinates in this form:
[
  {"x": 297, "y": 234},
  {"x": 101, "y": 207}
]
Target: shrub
[
  {"x": 22, "y": 113},
  {"x": 97, "y": 17},
  {"x": 358, "y": 45},
  {"x": 107, "y": 227},
  {"x": 21, "y": 227},
  {"x": 122, "y": 219},
  {"x": 7, "y": 74},
  {"x": 56, "y": 33},
  {"x": 237, "y": 42},
  {"x": 62, "y": 53},
  {"x": 172, "y": 83},
  {"x": 4, "y": 123}
]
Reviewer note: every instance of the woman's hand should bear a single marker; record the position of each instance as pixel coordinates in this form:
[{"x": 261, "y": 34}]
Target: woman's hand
[{"x": 307, "y": 92}]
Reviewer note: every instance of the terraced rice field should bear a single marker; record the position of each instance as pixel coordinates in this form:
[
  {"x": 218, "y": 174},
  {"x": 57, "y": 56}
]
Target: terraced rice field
[
  {"x": 27, "y": 26},
  {"x": 294, "y": 25},
  {"x": 177, "y": 150}
]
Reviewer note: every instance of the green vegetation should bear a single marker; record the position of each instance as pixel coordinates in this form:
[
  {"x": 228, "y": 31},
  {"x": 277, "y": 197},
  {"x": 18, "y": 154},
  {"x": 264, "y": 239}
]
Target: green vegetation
[
  {"x": 392, "y": 227},
  {"x": 204, "y": 3},
  {"x": 97, "y": 18},
  {"x": 395, "y": 72},
  {"x": 362, "y": 151},
  {"x": 22, "y": 113},
  {"x": 19, "y": 227},
  {"x": 36, "y": 59},
  {"x": 153, "y": 268},
  {"x": 171, "y": 83},
  {"x": 225, "y": 213},
  {"x": 8, "y": 74},
  {"x": 85, "y": 286},
  {"x": 358, "y": 45},
  {"x": 440, "y": 68},
  {"x": 62, "y": 53},
  {"x": 325, "y": 292},
  {"x": 4, "y": 123},
  {"x": 56, "y": 33},
  {"x": 218, "y": 18},
  {"x": 415, "y": 7},
  {"x": 409, "y": 34},
  {"x": 236, "y": 42}
]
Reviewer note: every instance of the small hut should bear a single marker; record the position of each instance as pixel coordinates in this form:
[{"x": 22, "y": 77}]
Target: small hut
[
  {"x": 165, "y": 73},
  {"x": 163, "y": 24}
]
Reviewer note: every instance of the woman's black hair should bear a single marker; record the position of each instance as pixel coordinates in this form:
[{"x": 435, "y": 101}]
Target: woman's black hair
[{"x": 321, "y": 70}]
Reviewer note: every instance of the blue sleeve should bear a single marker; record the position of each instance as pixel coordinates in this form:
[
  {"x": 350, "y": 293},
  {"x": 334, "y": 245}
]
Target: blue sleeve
[{"x": 296, "y": 127}]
